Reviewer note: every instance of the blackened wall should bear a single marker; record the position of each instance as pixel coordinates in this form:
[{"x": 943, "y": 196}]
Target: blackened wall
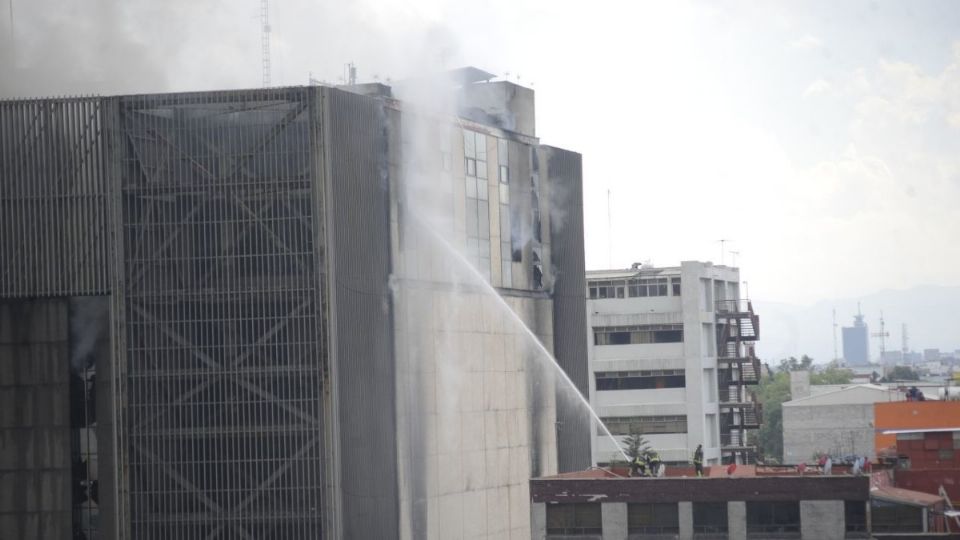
[
  {"x": 361, "y": 347},
  {"x": 564, "y": 170}
]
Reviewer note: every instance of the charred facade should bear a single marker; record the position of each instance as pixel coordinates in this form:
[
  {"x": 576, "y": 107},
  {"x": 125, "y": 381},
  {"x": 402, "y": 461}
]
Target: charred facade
[{"x": 223, "y": 285}]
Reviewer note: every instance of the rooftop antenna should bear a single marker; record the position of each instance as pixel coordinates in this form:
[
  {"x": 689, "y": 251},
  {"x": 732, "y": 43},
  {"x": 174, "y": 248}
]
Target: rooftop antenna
[
  {"x": 734, "y": 262},
  {"x": 265, "y": 41},
  {"x": 350, "y": 73},
  {"x": 609, "y": 234},
  {"x": 881, "y": 334},
  {"x": 723, "y": 242},
  {"x": 835, "y": 357},
  {"x": 904, "y": 340}
]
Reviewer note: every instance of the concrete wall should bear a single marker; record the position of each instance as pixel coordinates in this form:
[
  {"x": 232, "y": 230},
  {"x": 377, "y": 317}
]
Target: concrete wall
[
  {"x": 476, "y": 404},
  {"x": 822, "y": 520},
  {"x": 837, "y": 429},
  {"x": 35, "y": 470}
]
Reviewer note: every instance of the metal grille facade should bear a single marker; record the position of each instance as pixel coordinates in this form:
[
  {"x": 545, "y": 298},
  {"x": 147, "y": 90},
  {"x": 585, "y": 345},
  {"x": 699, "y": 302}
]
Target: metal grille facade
[
  {"x": 221, "y": 295},
  {"x": 53, "y": 198}
]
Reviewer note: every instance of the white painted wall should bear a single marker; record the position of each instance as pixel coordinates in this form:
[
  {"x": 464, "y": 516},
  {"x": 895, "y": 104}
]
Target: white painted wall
[{"x": 701, "y": 283}]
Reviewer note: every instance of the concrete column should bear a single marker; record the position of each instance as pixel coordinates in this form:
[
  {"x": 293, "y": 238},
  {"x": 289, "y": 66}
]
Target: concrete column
[
  {"x": 685, "y": 513},
  {"x": 538, "y": 521},
  {"x": 614, "y": 521},
  {"x": 737, "y": 520},
  {"x": 822, "y": 520}
]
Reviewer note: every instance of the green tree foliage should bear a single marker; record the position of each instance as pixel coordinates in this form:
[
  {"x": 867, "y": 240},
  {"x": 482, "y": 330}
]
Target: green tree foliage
[
  {"x": 634, "y": 445},
  {"x": 775, "y": 389},
  {"x": 771, "y": 393},
  {"x": 901, "y": 373}
]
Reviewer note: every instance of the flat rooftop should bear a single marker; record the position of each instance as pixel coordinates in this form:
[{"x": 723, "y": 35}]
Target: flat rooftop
[{"x": 747, "y": 483}]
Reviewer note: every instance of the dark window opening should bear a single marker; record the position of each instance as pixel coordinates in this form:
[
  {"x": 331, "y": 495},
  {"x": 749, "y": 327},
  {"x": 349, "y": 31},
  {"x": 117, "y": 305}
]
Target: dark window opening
[
  {"x": 780, "y": 518},
  {"x": 855, "y": 516},
  {"x": 633, "y": 335},
  {"x": 570, "y": 519},
  {"x": 892, "y": 517},
  {"x": 641, "y": 380},
  {"x": 675, "y": 284},
  {"x": 640, "y": 425},
  {"x": 653, "y": 518},
  {"x": 710, "y": 518}
]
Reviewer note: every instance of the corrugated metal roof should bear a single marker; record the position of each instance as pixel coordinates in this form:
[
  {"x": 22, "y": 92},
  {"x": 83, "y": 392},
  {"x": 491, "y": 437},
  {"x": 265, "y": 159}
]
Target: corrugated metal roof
[
  {"x": 905, "y": 496},
  {"x": 920, "y": 430}
]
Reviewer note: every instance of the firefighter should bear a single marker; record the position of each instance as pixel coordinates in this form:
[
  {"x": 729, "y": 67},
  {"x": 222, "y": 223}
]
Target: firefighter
[
  {"x": 698, "y": 460},
  {"x": 655, "y": 463}
]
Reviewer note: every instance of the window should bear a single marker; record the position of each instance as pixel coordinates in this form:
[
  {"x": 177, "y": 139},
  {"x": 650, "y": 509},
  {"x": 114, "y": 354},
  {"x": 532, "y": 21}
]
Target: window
[
  {"x": 572, "y": 519},
  {"x": 477, "y": 215},
  {"x": 506, "y": 233},
  {"x": 639, "y": 288},
  {"x": 892, "y": 517},
  {"x": 653, "y": 518},
  {"x": 641, "y": 380},
  {"x": 675, "y": 285},
  {"x": 855, "y": 516},
  {"x": 607, "y": 289},
  {"x": 710, "y": 518},
  {"x": 643, "y": 334},
  {"x": 767, "y": 518},
  {"x": 640, "y": 425}
]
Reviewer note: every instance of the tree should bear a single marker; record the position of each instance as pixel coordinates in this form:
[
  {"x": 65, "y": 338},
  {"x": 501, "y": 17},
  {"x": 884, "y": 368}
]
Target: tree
[
  {"x": 833, "y": 374},
  {"x": 792, "y": 364},
  {"x": 901, "y": 373},
  {"x": 771, "y": 393},
  {"x": 635, "y": 445}
]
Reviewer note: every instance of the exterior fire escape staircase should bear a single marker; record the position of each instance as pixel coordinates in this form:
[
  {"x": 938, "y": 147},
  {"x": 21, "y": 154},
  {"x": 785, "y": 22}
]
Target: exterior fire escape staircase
[{"x": 738, "y": 329}]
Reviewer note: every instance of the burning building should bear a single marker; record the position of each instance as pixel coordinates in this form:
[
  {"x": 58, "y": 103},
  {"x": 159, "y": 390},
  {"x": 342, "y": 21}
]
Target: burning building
[{"x": 246, "y": 314}]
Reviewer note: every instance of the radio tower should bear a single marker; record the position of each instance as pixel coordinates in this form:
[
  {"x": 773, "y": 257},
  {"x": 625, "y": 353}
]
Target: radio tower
[{"x": 265, "y": 41}]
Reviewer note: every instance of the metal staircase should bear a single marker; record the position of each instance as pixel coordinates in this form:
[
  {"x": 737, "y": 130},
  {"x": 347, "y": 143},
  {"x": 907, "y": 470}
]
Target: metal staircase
[{"x": 738, "y": 368}]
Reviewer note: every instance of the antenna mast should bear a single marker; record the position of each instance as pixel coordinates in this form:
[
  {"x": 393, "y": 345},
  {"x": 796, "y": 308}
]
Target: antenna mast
[
  {"x": 835, "y": 357},
  {"x": 265, "y": 41},
  {"x": 881, "y": 334},
  {"x": 609, "y": 233}
]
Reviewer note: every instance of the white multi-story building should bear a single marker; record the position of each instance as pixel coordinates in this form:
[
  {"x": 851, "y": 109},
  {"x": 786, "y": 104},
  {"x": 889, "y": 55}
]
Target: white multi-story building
[{"x": 671, "y": 354}]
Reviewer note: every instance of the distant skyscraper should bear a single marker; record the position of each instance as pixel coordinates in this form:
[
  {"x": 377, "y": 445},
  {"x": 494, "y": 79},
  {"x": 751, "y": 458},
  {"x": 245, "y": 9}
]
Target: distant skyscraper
[{"x": 856, "y": 348}]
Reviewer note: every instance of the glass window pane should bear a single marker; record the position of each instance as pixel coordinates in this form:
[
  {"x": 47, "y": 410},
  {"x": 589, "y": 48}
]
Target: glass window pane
[
  {"x": 504, "y": 174},
  {"x": 482, "y": 188},
  {"x": 481, "y": 147},
  {"x": 469, "y": 144},
  {"x": 471, "y": 187},
  {"x": 481, "y": 169},
  {"x": 504, "y": 194},
  {"x": 503, "y": 150},
  {"x": 471, "y": 167},
  {"x": 483, "y": 212}
]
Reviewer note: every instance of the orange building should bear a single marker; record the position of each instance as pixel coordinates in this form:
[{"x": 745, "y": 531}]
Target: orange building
[{"x": 905, "y": 415}]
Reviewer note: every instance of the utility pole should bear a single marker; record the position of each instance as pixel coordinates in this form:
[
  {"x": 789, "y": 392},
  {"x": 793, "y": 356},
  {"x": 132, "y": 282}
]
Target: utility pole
[{"x": 265, "y": 41}]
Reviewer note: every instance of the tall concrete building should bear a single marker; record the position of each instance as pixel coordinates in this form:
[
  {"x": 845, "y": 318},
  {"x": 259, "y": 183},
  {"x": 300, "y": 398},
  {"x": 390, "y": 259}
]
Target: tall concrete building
[
  {"x": 856, "y": 342},
  {"x": 671, "y": 359},
  {"x": 252, "y": 314}
]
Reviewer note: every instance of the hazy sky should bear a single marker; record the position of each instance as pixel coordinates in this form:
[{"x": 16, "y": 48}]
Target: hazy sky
[{"x": 822, "y": 138}]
